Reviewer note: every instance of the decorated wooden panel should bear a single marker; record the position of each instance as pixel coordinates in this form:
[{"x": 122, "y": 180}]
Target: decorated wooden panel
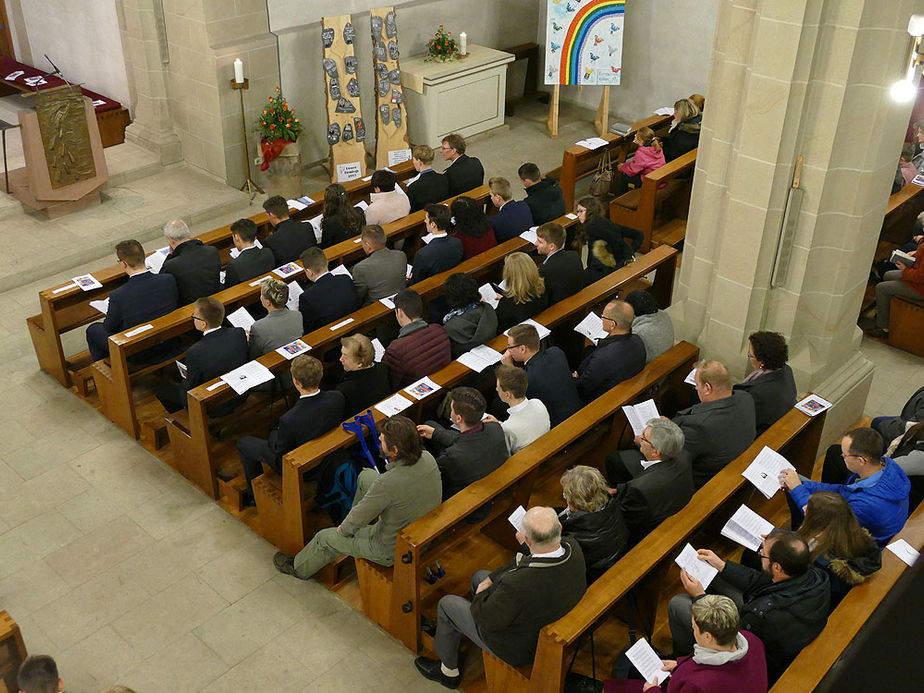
[
  {"x": 391, "y": 143},
  {"x": 346, "y": 131}
]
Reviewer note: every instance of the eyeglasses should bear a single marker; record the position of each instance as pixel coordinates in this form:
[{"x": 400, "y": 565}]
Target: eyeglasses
[
  {"x": 196, "y": 317},
  {"x": 512, "y": 346},
  {"x": 606, "y": 317},
  {"x": 445, "y": 148},
  {"x": 645, "y": 440},
  {"x": 858, "y": 457},
  {"x": 763, "y": 555},
  {"x": 580, "y": 210}
]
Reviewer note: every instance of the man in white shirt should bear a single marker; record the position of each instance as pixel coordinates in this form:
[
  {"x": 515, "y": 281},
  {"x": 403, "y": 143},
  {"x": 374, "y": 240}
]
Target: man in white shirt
[{"x": 528, "y": 418}]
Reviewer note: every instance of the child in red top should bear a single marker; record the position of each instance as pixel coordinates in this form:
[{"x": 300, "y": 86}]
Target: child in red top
[{"x": 648, "y": 157}]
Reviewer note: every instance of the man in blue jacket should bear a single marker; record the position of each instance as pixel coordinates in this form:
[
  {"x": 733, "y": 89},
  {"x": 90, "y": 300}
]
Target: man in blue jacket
[
  {"x": 877, "y": 488},
  {"x": 512, "y": 218}
]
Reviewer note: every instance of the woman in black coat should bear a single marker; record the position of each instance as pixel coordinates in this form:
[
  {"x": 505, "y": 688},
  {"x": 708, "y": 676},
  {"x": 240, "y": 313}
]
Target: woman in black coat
[
  {"x": 607, "y": 250},
  {"x": 684, "y": 133},
  {"x": 525, "y": 295},
  {"x": 364, "y": 381},
  {"x": 771, "y": 383},
  {"x": 341, "y": 220}
]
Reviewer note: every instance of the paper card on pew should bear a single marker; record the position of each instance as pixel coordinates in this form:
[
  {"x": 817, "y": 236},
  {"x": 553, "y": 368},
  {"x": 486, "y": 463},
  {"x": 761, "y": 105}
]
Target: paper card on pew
[
  {"x": 689, "y": 561},
  {"x": 422, "y": 388},
  {"x": 904, "y": 551},
  {"x": 918, "y": 179},
  {"x": 593, "y": 142},
  {"x": 181, "y": 367},
  {"x": 592, "y": 328},
  {"x": 293, "y": 349},
  {"x": 295, "y": 290},
  {"x": 155, "y": 261},
  {"x": 67, "y": 287},
  {"x": 362, "y": 204},
  {"x": 296, "y": 205},
  {"x": 260, "y": 280},
  {"x": 101, "y": 306},
  {"x": 249, "y": 375},
  {"x": 489, "y": 295},
  {"x": 664, "y": 110},
  {"x": 341, "y": 269},
  {"x": 479, "y": 358},
  {"x": 571, "y": 215},
  {"x": 379, "y": 350},
  {"x": 398, "y": 156},
  {"x": 139, "y": 330},
  {"x": 241, "y": 318},
  {"x": 647, "y": 662},
  {"x": 764, "y": 471},
  {"x": 87, "y": 282},
  {"x": 13, "y": 76},
  {"x": 813, "y": 405},
  {"x": 516, "y": 517},
  {"x": 640, "y": 414},
  {"x": 746, "y": 527},
  {"x": 388, "y": 301},
  {"x": 393, "y": 405},
  {"x": 691, "y": 378},
  {"x": 287, "y": 270},
  {"x": 541, "y": 329},
  {"x": 530, "y": 235}
]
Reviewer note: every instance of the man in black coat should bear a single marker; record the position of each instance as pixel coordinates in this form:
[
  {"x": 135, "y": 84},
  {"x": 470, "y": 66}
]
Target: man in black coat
[
  {"x": 562, "y": 270},
  {"x": 512, "y": 604},
  {"x": 429, "y": 187},
  {"x": 616, "y": 358},
  {"x": 465, "y": 172},
  {"x": 543, "y": 195},
  {"x": 443, "y": 252},
  {"x": 329, "y": 297},
  {"x": 194, "y": 265},
  {"x": 142, "y": 298},
  {"x": 315, "y": 413},
  {"x": 250, "y": 260},
  {"x": 289, "y": 238}
]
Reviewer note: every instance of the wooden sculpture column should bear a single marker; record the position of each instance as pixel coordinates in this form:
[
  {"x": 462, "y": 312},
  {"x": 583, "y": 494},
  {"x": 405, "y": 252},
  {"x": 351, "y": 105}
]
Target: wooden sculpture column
[{"x": 391, "y": 142}]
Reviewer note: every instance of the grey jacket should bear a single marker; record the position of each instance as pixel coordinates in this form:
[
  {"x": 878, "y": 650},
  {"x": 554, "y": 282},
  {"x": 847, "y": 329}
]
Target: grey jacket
[
  {"x": 381, "y": 274},
  {"x": 471, "y": 329},
  {"x": 656, "y": 331},
  {"x": 277, "y": 328},
  {"x": 467, "y": 457}
]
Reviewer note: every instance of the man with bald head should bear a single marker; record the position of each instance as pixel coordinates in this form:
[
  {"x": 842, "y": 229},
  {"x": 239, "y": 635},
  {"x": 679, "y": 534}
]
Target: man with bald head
[
  {"x": 617, "y": 357},
  {"x": 512, "y": 604}
]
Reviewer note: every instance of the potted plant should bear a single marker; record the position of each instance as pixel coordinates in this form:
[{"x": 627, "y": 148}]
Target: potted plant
[
  {"x": 442, "y": 47},
  {"x": 277, "y": 126}
]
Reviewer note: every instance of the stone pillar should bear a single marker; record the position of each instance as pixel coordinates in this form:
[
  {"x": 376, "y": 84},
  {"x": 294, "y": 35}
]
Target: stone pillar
[{"x": 807, "y": 77}]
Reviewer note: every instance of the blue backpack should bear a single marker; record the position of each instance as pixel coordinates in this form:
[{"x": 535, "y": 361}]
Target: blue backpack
[{"x": 339, "y": 471}]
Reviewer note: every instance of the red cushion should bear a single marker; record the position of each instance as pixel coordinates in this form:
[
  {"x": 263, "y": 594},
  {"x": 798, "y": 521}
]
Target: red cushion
[{"x": 9, "y": 66}]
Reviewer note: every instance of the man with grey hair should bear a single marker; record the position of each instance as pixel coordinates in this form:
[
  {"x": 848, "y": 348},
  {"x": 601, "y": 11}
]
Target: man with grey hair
[
  {"x": 513, "y": 603},
  {"x": 663, "y": 480},
  {"x": 617, "y": 357},
  {"x": 194, "y": 265}
]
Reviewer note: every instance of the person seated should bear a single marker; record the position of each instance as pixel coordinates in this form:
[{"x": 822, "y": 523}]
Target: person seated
[
  {"x": 384, "y": 271},
  {"x": 464, "y": 172},
  {"x": 617, "y": 357},
  {"x": 341, "y": 220},
  {"x": 525, "y": 295},
  {"x": 660, "y": 482},
  {"x": 387, "y": 201},
  {"x": 547, "y": 372},
  {"x": 593, "y": 519},
  {"x": 904, "y": 282},
  {"x": 221, "y": 349},
  {"x": 470, "y": 321},
  {"x": 420, "y": 349},
  {"x": 512, "y": 218},
  {"x": 289, "y": 238},
  {"x": 194, "y": 265},
  {"x": 544, "y": 196},
  {"x": 917, "y": 145},
  {"x": 471, "y": 226},
  {"x": 314, "y": 413},
  {"x": 385, "y": 503},
  {"x": 329, "y": 297},
  {"x": 908, "y": 452},
  {"x": 527, "y": 419},
  {"x": 651, "y": 323},
  {"x": 144, "y": 297},
  {"x": 39, "y": 674},
  {"x": 877, "y": 488},
  {"x": 699, "y": 101},
  {"x": 891, "y": 427},
  {"x": 771, "y": 384},
  {"x": 906, "y": 170},
  {"x": 607, "y": 250},
  {"x": 364, "y": 381},
  {"x": 443, "y": 252},
  {"x": 252, "y": 260},
  {"x": 785, "y": 603},
  {"x": 470, "y": 453},
  {"x": 512, "y": 604},
  {"x": 280, "y": 326},
  {"x": 649, "y": 157},
  {"x": 561, "y": 269},
  {"x": 429, "y": 187},
  {"x": 724, "y": 658},
  {"x": 684, "y": 133}
]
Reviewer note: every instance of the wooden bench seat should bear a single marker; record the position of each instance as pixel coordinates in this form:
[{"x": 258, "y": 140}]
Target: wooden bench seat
[
  {"x": 12, "y": 651},
  {"x": 906, "y": 325},
  {"x": 903, "y": 208}
]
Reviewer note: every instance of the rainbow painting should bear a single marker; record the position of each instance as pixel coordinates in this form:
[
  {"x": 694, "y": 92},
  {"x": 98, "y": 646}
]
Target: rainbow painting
[{"x": 584, "y": 41}]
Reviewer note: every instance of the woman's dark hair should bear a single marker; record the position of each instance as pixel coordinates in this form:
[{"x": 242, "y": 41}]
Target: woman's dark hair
[
  {"x": 400, "y": 432},
  {"x": 642, "y": 302},
  {"x": 595, "y": 208},
  {"x": 470, "y": 219},
  {"x": 461, "y": 290},
  {"x": 769, "y": 349},
  {"x": 832, "y": 526},
  {"x": 336, "y": 203}
]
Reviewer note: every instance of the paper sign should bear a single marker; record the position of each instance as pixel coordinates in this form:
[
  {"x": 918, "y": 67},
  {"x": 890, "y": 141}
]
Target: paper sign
[
  {"x": 541, "y": 329},
  {"x": 68, "y": 287},
  {"x": 155, "y": 261},
  {"x": 101, "y": 306},
  {"x": 489, "y": 295},
  {"x": 747, "y": 527},
  {"x": 397, "y": 156},
  {"x": 591, "y": 327},
  {"x": 379, "y": 350},
  {"x": 255, "y": 282},
  {"x": 341, "y": 269},
  {"x": 388, "y": 301},
  {"x": 87, "y": 282},
  {"x": 343, "y": 323},
  {"x": 351, "y": 171},
  {"x": 287, "y": 270},
  {"x": 296, "y": 205},
  {"x": 764, "y": 471},
  {"x": 215, "y": 386},
  {"x": 181, "y": 367},
  {"x": 664, "y": 110},
  {"x": 516, "y": 517},
  {"x": 293, "y": 349},
  {"x": 393, "y": 405},
  {"x": 295, "y": 290},
  {"x": 640, "y": 414},
  {"x": 247, "y": 376},
  {"x": 241, "y": 318},
  {"x": 421, "y": 388},
  {"x": 689, "y": 561},
  {"x": 571, "y": 215},
  {"x": 904, "y": 551},
  {"x": 647, "y": 662},
  {"x": 530, "y": 235},
  {"x": 691, "y": 378},
  {"x": 479, "y": 358},
  {"x": 139, "y": 330},
  {"x": 592, "y": 143},
  {"x": 813, "y": 405}
]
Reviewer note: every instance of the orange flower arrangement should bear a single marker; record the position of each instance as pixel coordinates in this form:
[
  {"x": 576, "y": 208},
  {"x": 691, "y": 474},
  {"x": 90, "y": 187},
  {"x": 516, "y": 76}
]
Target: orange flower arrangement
[{"x": 442, "y": 46}]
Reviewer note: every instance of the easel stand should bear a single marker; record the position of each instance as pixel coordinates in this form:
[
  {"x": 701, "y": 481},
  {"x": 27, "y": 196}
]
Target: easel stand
[
  {"x": 601, "y": 122},
  {"x": 248, "y": 185}
]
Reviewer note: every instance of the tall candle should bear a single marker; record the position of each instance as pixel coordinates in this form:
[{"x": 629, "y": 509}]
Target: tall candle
[
  {"x": 463, "y": 43},
  {"x": 239, "y": 71}
]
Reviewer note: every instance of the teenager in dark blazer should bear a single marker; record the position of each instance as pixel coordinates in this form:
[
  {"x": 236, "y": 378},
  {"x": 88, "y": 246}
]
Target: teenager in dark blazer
[
  {"x": 562, "y": 270},
  {"x": 289, "y": 238},
  {"x": 194, "y": 265},
  {"x": 251, "y": 261},
  {"x": 429, "y": 187},
  {"x": 314, "y": 414},
  {"x": 543, "y": 195},
  {"x": 464, "y": 172},
  {"x": 512, "y": 218},
  {"x": 771, "y": 383},
  {"x": 443, "y": 252},
  {"x": 328, "y": 297}
]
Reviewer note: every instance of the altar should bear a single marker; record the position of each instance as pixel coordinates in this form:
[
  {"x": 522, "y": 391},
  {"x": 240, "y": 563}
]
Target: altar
[{"x": 464, "y": 96}]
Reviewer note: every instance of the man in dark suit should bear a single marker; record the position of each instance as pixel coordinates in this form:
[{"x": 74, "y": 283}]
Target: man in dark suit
[
  {"x": 314, "y": 414},
  {"x": 329, "y": 297},
  {"x": 547, "y": 372},
  {"x": 221, "y": 349},
  {"x": 384, "y": 271},
  {"x": 429, "y": 187},
  {"x": 543, "y": 195},
  {"x": 512, "y": 218},
  {"x": 443, "y": 252},
  {"x": 465, "y": 172},
  {"x": 562, "y": 269},
  {"x": 289, "y": 238},
  {"x": 194, "y": 265},
  {"x": 617, "y": 357},
  {"x": 142, "y": 298},
  {"x": 250, "y": 260}
]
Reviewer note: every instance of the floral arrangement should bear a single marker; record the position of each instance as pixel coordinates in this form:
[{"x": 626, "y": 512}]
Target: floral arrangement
[
  {"x": 277, "y": 126},
  {"x": 442, "y": 47}
]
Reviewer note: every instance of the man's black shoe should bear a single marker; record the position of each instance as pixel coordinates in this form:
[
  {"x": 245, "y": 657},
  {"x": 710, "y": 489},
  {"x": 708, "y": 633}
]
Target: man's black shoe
[
  {"x": 432, "y": 669},
  {"x": 247, "y": 500},
  {"x": 284, "y": 564}
]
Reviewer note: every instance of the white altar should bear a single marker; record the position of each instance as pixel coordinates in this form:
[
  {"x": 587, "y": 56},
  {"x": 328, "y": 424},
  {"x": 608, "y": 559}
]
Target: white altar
[{"x": 464, "y": 96}]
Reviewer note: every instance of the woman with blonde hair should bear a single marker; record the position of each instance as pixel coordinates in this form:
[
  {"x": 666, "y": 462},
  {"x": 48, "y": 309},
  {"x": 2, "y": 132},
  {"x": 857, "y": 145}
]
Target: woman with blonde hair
[
  {"x": 525, "y": 295},
  {"x": 684, "y": 134},
  {"x": 364, "y": 381}
]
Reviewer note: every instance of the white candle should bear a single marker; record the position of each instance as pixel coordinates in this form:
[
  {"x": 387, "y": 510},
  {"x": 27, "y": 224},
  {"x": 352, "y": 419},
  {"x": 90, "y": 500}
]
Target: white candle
[
  {"x": 239, "y": 71},
  {"x": 463, "y": 43}
]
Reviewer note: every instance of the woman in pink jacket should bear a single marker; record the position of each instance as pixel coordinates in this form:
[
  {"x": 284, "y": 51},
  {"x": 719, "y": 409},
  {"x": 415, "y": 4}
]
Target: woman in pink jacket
[{"x": 648, "y": 157}]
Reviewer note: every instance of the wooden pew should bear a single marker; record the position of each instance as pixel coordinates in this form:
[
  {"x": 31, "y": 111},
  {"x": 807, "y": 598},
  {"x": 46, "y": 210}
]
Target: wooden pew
[
  {"x": 12, "y": 651},
  {"x": 578, "y": 162},
  {"x": 284, "y": 510},
  {"x": 906, "y": 325},
  {"x": 819, "y": 656},
  {"x": 904, "y": 207},
  {"x": 63, "y": 309},
  {"x": 114, "y": 378},
  {"x": 639, "y": 208}
]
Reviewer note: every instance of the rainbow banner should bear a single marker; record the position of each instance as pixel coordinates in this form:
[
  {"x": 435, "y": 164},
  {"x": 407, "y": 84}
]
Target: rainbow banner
[{"x": 584, "y": 41}]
